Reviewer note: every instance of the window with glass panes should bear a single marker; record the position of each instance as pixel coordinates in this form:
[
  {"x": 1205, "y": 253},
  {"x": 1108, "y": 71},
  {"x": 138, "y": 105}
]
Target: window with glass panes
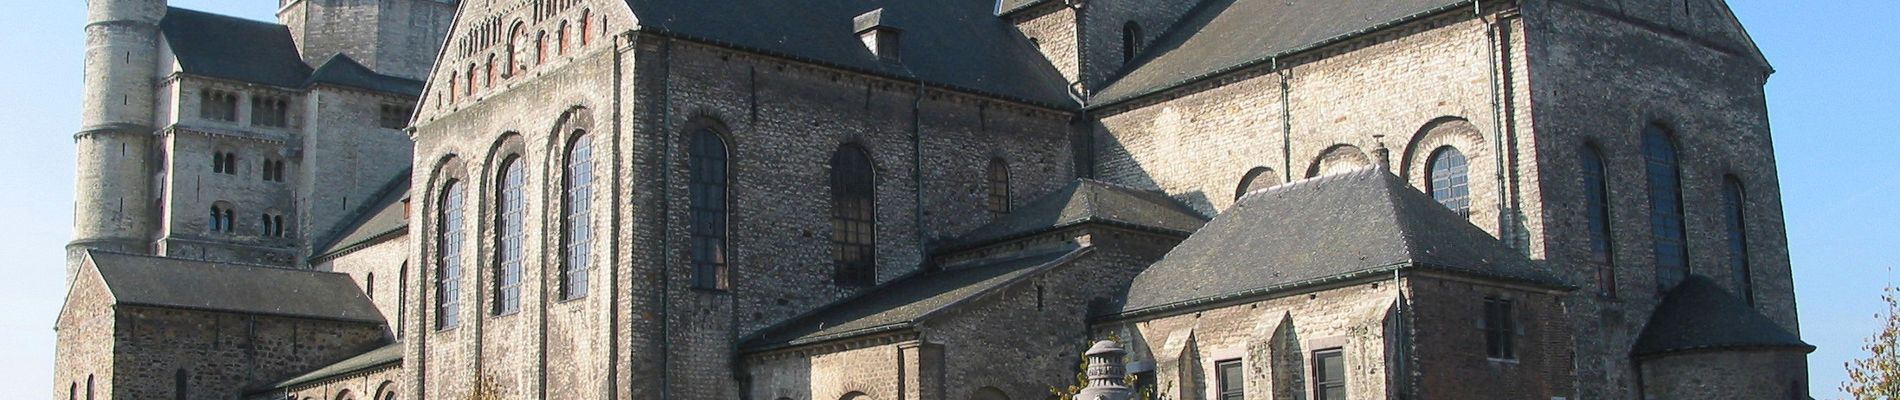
[
  {"x": 508, "y": 237},
  {"x": 1734, "y": 202},
  {"x": 579, "y": 241},
  {"x": 999, "y": 186},
  {"x": 707, "y": 161},
  {"x": 1230, "y": 380},
  {"x": 1448, "y": 179},
  {"x": 1500, "y": 329},
  {"x": 1666, "y": 219},
  {"x": 1329, "y": 375},
  {"x": 853, "y": 216},
  {"x": 1596, "y": 195},
  {"x": 448, "y": 274}
]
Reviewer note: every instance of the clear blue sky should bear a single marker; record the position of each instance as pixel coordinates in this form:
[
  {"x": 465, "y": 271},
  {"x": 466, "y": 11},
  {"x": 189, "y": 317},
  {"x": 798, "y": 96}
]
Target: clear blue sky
[{"x": 1835, "y": 106}]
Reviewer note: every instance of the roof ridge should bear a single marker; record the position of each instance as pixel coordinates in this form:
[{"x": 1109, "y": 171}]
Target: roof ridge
[
  {"x": 169, "y": 9},
  {"x": 193, "y": 260}
]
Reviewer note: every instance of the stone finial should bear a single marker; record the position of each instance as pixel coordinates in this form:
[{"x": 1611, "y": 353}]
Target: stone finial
[
  {"x": 1105, "y": 373},
  {"x": 1381, "y": 155}
]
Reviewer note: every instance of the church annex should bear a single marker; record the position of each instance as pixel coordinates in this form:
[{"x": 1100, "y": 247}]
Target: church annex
[{"x": 927, "y": 200}]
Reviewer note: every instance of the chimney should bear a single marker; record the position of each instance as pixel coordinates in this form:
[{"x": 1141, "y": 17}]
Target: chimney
[{"x": 881, "y": 39}]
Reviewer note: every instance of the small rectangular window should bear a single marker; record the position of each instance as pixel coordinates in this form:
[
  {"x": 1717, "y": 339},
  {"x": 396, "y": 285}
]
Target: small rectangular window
[
  {"x": 1329, "y": 374},
  {"x": 217, "y": 105},
  {"x": 270, "y": 111},
  {"x": 1231, "y": 380},
  {"x": 1500, "y": 328}
]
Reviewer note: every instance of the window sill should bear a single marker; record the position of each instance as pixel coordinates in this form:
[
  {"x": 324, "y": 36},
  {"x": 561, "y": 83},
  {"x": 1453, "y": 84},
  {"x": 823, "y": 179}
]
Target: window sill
[
  {"x": 505, "y": 314},
  {"x": 708, "y": 290},
  {"x": 1511, "y": 361},
  {"x": 571, "y": 300}
]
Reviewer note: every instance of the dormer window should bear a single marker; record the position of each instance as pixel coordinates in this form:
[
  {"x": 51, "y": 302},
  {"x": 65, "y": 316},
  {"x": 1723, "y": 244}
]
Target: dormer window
[{"x": 881, "y": 39}]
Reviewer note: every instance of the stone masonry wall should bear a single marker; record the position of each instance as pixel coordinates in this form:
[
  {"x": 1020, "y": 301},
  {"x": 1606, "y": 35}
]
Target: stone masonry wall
[
  {"x": 1449, "y": 360},
  {"x": 370, "y": 384},
  {"x": 83, "y": 359},
  {"x": 1734, "y": 374},
  {"x": 346, "y": 159},
  {"x": 382, "y": 271},
  {"x": 223, "y": 354}
]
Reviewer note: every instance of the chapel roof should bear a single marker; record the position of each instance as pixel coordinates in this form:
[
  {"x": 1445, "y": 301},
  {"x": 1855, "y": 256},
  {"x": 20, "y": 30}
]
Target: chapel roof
[
  {"x": 1332, "y": 228},
  {"x": 227, "y": 47},
  {"x": 228, "y": 287},
  {"x": 1086, "y": 201},
  {"x": 959, "y": 44},
  {"x": 1698, "y": 315},
  {"x": 342, "y": 70},
  {"x": 1221, "y": 36},
  {"x": 384, "y": 218},
  {"x": 382, "y": 356}
]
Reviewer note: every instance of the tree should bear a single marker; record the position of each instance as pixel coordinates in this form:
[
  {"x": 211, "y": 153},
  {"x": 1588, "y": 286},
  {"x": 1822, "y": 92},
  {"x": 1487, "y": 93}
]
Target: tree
[{"x": 1877, "y": 377}]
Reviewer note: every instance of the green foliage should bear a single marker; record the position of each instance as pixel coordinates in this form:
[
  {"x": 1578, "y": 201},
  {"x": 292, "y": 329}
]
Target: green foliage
[
  {"x": 1877, "y": 377},
  {"x": 1143, "y": 390}
]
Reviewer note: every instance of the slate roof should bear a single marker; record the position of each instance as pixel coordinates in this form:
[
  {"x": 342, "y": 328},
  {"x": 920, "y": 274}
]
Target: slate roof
[
  {"x": 342, "y": 70},
  {"x": 1005, "y": 7},
  {"x": 382, "y": 219},
  {"x": 245, "y": 289},
  {"x": 948, "y": 43},
  {"x": 381, "y": 356},
  {"x": 1699, "y": 315},
  {"x": 1336, "y": 227},
  {"x": 1083, "y": 201},
  {"x": 1224, "y": 35},
  {"x": 905, "y": 302},
  {"x": 233, "y": 48}
]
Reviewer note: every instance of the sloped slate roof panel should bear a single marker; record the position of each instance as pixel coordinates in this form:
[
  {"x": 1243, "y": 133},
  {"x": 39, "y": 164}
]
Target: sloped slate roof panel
[
  {"x": 233, "y": 48},
  {"x": 342, "y": 70},
  {"x": 1227, "y": 34},
  {"x": 953, "y": 43},
  {"x": 1698, "y": 315},
  {"x": 1086, "y": 200},
  {"x": 244, "y": 289},
  {"x": 384, "y": 217},
  {"x": 1330, "y": 227},
  {"x": 381, "y": 356},
  {"x": 903, "y": 302}
]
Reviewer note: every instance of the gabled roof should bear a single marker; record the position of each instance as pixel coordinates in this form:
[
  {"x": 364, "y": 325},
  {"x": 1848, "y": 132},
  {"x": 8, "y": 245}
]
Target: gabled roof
[
  {"x": 1005, "y": 7},
  {"x": 959, "y": 44},
  {"x": 905, "y": 302},
  {"x": 342, "y": 70},
  {"x": 382, "y": 219},
  {"x": 224, "y": 287},
  {"x": 381, "y": 356},
  {"x": 1225, "y": 35},
  {"x": 1698, "y": 315},
  {"x": 233, "y": 48},
  {"x": 1325, "y": 229},
  {"x": 1083, "y": 201}
]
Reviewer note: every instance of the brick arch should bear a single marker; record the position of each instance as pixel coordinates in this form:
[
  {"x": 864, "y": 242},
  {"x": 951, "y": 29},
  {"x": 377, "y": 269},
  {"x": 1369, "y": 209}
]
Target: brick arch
[
  {"x": 1256, "y": 179},
  {"x": 386, "y": 390},
  {"x": 855, "y": 396},
  {"x": 346, "y": 394},
  {"x": 1340, "y": 157},
  {"x": 1481, "y": 167}
]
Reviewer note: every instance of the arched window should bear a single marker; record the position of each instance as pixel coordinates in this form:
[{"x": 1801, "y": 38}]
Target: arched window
[
  {"x": 508, "y": 237},
  {"x": 517, "y": 42},
  {"x": 72, "y": 392},
  {"x": 560, "y": 39},
  {"x": 999, "y": 186},
  {"x": 1256, "y": 179},
  {"x": 1596, "y": 201},
  {"x": 469, "y": 88},
  {"x": 1665, "y": 208},
  {"x": 1447, "y": 178},
  {"x": 488, "y": 74},
  {"x": 180, "y": 383},
  {"x": 1735, "y": 208},
  {"x": 579, "y": 218},
  {"x": 853, "y": 216},
  {"x": 217, "y": 219},
  {"x": 540, "y": 48},
  {"x": 89, "y": 387},
  {"x": 448, "y": 274},
  {"x": 708, "y": 162},
  {"x": 402, "y": 298},
  {"x": 1131, "y": 41},
  {"x": 453, "y": 79},
  {"x": 586, "y": 21}
]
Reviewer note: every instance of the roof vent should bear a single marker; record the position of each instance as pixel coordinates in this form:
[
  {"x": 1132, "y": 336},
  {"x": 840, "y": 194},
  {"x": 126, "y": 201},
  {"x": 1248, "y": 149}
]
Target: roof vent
[{"x": 881, "y": 39}]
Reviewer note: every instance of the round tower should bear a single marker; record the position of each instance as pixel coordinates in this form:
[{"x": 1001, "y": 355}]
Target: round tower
[{"x": 112, "y": 197}]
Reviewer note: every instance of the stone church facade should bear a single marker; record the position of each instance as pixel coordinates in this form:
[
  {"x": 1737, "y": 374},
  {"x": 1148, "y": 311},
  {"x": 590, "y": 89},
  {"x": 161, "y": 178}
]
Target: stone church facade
[{"x": 1257, "y": 199}]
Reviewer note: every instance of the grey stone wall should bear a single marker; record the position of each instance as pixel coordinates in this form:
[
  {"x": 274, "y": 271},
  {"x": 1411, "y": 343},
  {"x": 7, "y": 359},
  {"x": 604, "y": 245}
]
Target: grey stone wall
[
  {"x": 1445, "y": 317},
  {"x": 1733, "y": 374},
  {"x": 383, "y": 271},
  {"x": 83, "y": 356},
  {"x": 371, "y": 384},
  {"x": 345, "y": 160},
  {"x": 223, "y": 354},
  {"x": 394, "y": 37}
]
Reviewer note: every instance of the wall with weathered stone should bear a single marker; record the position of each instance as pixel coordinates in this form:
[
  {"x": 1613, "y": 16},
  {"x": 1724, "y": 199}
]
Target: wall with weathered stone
[
  {"x": 1445, "y": 317},
  {"x": 382, "y": 271},
  {"x": 369, "y": 384},
  {"x": 1731, "y": 374},
  {"x": 83, "y": 358},
  {"x": 345, "y": 160},
  {"x": 222, "y": 354}
]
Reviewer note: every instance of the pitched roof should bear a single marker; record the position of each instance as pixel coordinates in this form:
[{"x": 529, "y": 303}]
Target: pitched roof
[
  {"x": 1005, "y": 7},
  {"x": 233, "y": 48},
  {"x": 905, "y": 302},
  {"x": 382, "y": 219},
  {"x": 381, "y": 356},
  {"x": 1698, "y": 315},
  {"x": 342, "y": 70},
  {"x": 1224, "y": 35},
  {"x": 1330, "y": 228},
  {"x": 1082, "y": 201},
  {"x": 237, "y": 288},
  {"x": 951, "y": 43}
]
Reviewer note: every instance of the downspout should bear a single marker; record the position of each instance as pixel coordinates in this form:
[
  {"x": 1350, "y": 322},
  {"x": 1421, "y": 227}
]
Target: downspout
[
  {"x": 625, "y": 46},
  {"x": 1401, "y": 357},
  {"x": 1497, "y": 124},
  {"x": 917, "y": 169},
  {"x": 666, "y": 214},
  {"x": 1286, "y": 120}
]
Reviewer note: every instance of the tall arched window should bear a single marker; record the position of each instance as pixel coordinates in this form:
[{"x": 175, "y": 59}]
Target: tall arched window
[
  {"x": 89, "y": 387},
  {"x": 508, "y": 237},
  {"x": 1596, "y": 200},
  {"x": 468, "y": 89},
  {"x": 1665, "y": 208},
  {"x": 540, "y": 48},
  {"x": 402, "y": 298},
  {"x": 999, "y": 186},
  {"x": 1447, "y": 178},
  {"x": 448, "y": 274},
  {"x": 1131, "y": 41},
  {"x": 560, "y": 39},
  {"x": 453, "y": 80},
  {"x": 517, "y": 42},
  {"x": 586, "y": 21},
  {"x": 708, "y": 162},
  {"x": 72, "y": 392},
  {"x": 1735, "y": 208},
  {"x": 579, "y": 218},
  {"x": 180, "y": 383},
  {"x": 488, "y": 72},
  {"x": 369, "y": 285},
  {"x": 853, "y": 216}
]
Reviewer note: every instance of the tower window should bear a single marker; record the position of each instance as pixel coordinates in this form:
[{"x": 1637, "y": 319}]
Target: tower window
[
  {"x": 853, "y": 216},
  {"x": 580, "y": 181},
  {"x": 711, "y": 266},
  {"x": 273, "y": 170},
  {"x": 508, "y": 238},
  {"x": 217, "y": 105},
  {"x": 223, "y": 218},
  {"x": 1735, "y": 203},
  {"x": 1131, "y": 41},
  {"x": 1665, "y": 208},
  {"x": 1596, "y": 191},
  {"x": 1448, "y": 180},
  {"x": 271, "y": 111},
  {"x": 273, "y": 225},
  {"x": 448, "y": 276},
  {"x": 999, "y": 186},
  {"x": 1500, "y": 330}
]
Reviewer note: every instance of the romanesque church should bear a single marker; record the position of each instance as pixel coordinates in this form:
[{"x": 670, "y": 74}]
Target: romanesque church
[{"x": 927, "y": 200}]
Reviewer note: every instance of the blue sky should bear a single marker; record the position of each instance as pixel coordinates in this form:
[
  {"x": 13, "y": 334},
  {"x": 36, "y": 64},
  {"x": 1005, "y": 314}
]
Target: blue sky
[{"x": 1834, "y": 104}]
